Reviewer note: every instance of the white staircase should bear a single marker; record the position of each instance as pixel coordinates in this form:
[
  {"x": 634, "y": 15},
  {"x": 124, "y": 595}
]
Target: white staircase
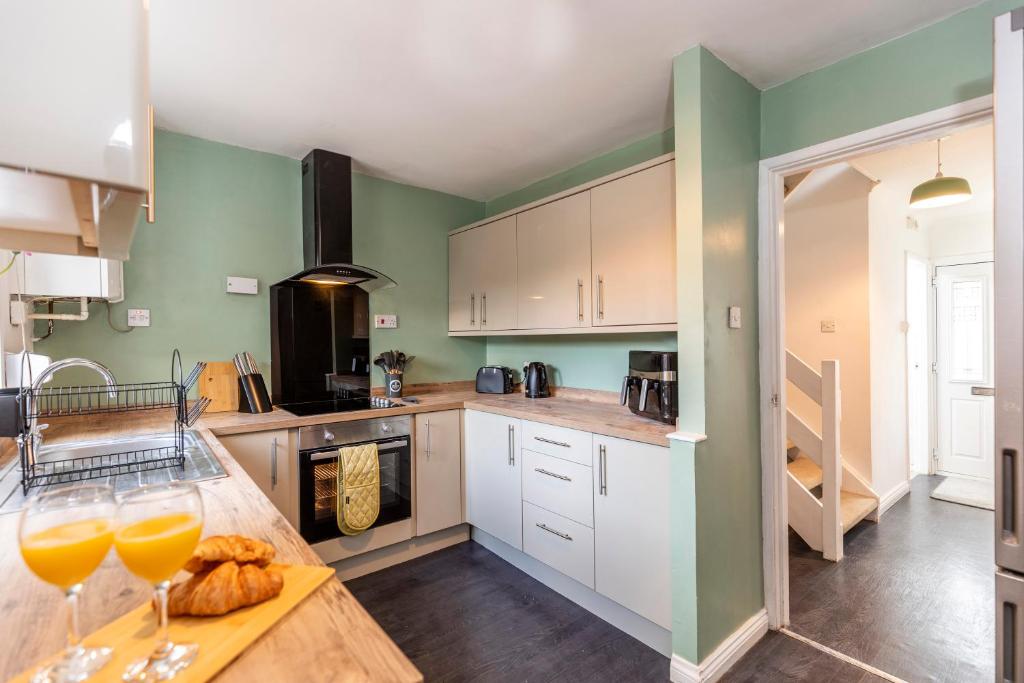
[{"x": 846, "y": 497}]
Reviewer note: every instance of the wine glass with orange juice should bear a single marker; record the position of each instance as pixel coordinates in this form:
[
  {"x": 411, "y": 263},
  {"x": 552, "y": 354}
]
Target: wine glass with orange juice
[
  {"x": 64, "y": 534},
  {"x": 158, "y": 528}
]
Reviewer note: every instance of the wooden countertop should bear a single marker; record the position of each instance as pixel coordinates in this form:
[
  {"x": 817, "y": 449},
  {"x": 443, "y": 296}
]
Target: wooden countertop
[
  {"x": 328, "y": 637},
  {"x": 592, "y": 411}
]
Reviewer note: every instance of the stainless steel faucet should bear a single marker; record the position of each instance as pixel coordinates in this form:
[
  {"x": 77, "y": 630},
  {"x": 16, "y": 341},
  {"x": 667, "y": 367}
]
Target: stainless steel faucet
[{"x": 33, "y": 439}]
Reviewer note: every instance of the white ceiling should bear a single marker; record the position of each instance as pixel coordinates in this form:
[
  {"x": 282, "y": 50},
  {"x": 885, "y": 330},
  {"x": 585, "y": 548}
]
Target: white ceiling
[
  {"x": 967, "y": 154},
  {"x": 477, "y": 98}
]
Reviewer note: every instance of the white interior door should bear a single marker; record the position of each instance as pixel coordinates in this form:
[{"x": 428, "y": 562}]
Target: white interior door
[
  {"x": 964, "y": 315},
  {"x": 918, "y": 375}
]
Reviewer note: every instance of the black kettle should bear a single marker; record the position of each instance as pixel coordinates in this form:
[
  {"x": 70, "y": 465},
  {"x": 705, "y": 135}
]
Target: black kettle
[{"x": 535, "y": 380}]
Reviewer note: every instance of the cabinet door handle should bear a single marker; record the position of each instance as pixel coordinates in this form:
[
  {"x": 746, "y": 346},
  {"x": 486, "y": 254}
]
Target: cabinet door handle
[
  {"x": 602, "y": 470},
  {"x": 545, "y": 527},
  {"x": 511, "y": 446},
  {"x": 472, "y": 309},
  {"x": 579, "y": 300},
  {"x": 428, "y": 437},
  {"x": 483, "y": 308},
  {"x": 600, "y": 297},
  {"x": 553, "y": 443},
  {"x": 273, "y": 464},
  {"x": 151, "y": 191},
  {"x": 552, "y": 474},
  {"x": 1008, "y": 523}
]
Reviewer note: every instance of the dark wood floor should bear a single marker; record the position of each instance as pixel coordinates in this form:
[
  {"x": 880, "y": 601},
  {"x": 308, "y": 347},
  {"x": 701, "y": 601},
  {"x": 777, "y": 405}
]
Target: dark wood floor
[
  {"x": 914, "y": 595},
  {"x": 464, "y": 614},
  {"x": 778, "y": 657}
]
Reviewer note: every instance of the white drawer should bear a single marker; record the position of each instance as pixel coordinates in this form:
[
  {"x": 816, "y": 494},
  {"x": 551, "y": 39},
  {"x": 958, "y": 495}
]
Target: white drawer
[
  {"x": 561, "y": 486},
  {"x": 560, "y": 442},
  {"x": 560, "y": 543}
]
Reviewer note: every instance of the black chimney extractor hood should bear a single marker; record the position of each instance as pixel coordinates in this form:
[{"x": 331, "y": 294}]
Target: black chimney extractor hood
[{"x": 327, "y": 226}]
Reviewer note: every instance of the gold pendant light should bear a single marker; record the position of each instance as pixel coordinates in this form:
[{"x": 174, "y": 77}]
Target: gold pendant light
[{"x": 940, "y": 190}]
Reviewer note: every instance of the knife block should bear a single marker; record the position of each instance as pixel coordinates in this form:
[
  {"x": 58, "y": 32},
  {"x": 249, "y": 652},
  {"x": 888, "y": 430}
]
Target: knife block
[{"x": 252, "y": 395}]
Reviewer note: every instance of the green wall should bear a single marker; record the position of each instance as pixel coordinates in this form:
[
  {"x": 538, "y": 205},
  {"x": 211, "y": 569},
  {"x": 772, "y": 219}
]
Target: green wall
[
  {"x": 402, "y": 231},
  {"x": 224, "y": 210},
  {"x": 717, "y": 579},
  {"x": 618, "y": 159},
  {"x": 939, "y": 65},
  {"x": 585, "y": 361}
]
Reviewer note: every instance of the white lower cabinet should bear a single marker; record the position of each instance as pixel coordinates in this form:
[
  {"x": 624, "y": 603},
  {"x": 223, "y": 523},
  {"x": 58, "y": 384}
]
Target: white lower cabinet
[
  {"x": 560, "y": 543},
  {"x": 267, "y": 457},
  {"x": 438, "y": 471},
  {"x": 631, "y": 526},
  {"x": 561, "y": 486},
  {"x": 494, "y": 492}
]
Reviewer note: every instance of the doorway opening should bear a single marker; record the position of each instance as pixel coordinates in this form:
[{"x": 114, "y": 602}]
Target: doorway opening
[{"x": 876, "y": 328}]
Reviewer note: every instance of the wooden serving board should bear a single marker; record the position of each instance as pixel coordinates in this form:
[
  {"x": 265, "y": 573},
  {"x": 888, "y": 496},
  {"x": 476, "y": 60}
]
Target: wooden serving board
[
  {"x": 219, "y": 383},
  {"x": 220, "y": 639}
]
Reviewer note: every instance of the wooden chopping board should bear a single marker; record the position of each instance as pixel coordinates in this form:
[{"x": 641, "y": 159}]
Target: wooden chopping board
[
  {"x": 219, "y": 383},
  {"x": 220, "y": 639}
]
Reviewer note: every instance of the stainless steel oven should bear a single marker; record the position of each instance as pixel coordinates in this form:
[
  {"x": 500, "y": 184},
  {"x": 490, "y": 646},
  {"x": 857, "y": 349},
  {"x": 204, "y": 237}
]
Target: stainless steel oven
[{"x": 318, "y": 471}]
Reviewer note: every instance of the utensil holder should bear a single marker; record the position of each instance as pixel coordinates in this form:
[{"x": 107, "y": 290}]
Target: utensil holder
[
  {"x": 393, "y": 384},
  {"x": 252, "y": 395}
]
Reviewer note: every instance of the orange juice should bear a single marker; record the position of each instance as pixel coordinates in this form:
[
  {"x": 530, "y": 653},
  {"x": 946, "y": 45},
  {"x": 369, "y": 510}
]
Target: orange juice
[
  {"x": 156, "y": 548},
  {"x": 68, "y": 553}
]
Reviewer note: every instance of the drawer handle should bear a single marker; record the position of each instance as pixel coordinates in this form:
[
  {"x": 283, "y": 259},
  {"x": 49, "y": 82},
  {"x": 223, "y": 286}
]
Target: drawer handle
[
  {"x": 552, "y": 474},
  {"x": 545, "y": 527},
  {"x": 553, "y": 443}
]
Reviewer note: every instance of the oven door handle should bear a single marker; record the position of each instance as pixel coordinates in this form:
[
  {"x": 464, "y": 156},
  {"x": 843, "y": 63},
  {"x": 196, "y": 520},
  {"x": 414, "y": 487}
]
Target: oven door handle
[{"x": 332, "y": 455}]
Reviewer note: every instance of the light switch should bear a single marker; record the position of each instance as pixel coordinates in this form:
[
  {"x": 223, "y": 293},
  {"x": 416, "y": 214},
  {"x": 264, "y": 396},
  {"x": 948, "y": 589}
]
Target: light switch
[
  {"x": 386, "y": 322},
  {"x": 138, "y": 317},
  {"x": 828, "y": 326},
  {"x": 734, "y": 318}
]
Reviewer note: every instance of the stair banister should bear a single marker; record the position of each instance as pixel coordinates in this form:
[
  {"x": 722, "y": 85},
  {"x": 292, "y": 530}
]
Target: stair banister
[{"x": 831, "y": 466}]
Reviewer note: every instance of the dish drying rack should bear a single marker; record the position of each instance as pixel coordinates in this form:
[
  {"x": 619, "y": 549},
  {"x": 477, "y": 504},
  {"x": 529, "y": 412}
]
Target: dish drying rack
[{"x": 60, "y": 402}]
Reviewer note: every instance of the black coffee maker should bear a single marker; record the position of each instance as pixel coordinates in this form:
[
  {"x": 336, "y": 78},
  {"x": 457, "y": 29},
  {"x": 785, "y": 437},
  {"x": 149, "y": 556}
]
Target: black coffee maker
[{"x": 650, "y": 389}]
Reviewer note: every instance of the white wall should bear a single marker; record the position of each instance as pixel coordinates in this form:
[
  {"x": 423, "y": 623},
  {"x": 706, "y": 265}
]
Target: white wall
[
  {"x": 890, "y": 238},
  {"x": 826, "y": 241},
  {"x": 960, "y": 234}
]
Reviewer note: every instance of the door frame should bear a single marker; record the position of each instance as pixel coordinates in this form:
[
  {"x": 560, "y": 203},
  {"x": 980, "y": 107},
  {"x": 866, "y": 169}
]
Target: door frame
[
  {"x": 966, "y": 259},
  {"x": 771, "y": 320},
  {"x": 929, "y": 336}
]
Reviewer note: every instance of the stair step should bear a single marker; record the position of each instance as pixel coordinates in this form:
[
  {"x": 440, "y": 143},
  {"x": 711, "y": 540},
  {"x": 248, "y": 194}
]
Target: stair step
[
  {"x": 854, "y": 507},
  {"x": 806, "y": 472}
]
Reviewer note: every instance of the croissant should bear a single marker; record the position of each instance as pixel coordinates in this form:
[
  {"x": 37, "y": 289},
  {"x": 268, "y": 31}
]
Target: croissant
[
  {"x": 227, "y": 587},
  {"x": 216, "y": 549}
]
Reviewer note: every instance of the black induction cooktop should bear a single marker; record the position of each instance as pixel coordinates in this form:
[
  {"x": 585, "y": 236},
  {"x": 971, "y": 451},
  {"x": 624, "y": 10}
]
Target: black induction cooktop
[{"x": 337, "y": 405}]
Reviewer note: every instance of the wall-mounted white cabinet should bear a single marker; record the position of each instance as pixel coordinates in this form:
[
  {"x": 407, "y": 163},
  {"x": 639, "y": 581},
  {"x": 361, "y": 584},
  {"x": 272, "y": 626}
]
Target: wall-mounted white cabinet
[
  {"x": 553, "y": 264},
  {"x": 632, "y": 238},
  {"x": 59, "y": 276},
  {"x": 75, "y": 153},
  {"x": 598, "y": 258},
  {"x": 482, "y": 278}
]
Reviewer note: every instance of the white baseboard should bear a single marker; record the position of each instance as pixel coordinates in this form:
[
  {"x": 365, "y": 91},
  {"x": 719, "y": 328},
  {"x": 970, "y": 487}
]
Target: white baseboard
[
  {"x": 724, "y": 656},
  {"x": 892, "y": 497},
  {"x": 647, "y": 632}
]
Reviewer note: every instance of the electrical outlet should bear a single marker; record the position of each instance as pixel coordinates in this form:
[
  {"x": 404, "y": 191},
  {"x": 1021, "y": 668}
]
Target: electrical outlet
[
  {"x": 734, "y": 318},
  {"x": 386, "y": 322},
  {"x": 828, "y": 326},
  {"x": 138, "y": 317}
]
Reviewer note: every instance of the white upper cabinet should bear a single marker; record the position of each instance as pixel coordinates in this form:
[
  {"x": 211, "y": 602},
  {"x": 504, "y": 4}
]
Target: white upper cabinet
[
  {"x": 57, "y": 275},
  {"x": 553, "y": 253},
  {"x": 632, "y": 234},
  {"x": 482, "y": 277},
  {"x": 75, "y": 152},
  {"x": 600, "y": 258}
]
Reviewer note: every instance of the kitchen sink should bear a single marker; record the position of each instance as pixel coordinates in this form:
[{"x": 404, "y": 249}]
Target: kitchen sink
[{"x": 200, "y": 464}]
